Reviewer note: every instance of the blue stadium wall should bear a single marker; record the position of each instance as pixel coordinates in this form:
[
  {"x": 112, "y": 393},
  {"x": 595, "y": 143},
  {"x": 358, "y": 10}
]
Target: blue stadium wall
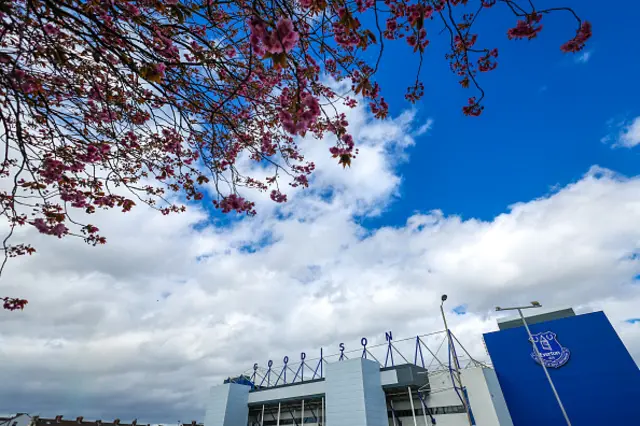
[{"x": 599, "y": 385}]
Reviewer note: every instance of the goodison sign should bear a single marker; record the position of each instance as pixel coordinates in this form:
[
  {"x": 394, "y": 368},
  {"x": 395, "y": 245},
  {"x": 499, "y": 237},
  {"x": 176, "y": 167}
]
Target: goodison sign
[{"x": 388, "y": 337}]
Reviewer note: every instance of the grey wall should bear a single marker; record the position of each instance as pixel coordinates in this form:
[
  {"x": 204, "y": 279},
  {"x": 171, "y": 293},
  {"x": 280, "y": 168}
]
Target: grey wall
[
  {"x": 307, "y": 389},
  {"x": 227, "y": 405},
  {"x": 354, "y": 395},
  {"x": 285, "y": 393}
]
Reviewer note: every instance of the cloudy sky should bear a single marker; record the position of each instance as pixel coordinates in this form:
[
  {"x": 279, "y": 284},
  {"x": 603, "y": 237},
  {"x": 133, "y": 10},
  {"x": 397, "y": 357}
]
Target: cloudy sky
[{"x": 538, "y": 199}]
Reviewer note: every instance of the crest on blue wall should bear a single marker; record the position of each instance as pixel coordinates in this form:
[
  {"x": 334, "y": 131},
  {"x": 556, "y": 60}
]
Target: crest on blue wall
[{"x": 553, "y": 354}]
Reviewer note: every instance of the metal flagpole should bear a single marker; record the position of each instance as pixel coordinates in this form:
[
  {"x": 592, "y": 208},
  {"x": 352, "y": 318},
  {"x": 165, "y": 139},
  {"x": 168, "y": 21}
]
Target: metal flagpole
[{"x": 535, "y": 350}]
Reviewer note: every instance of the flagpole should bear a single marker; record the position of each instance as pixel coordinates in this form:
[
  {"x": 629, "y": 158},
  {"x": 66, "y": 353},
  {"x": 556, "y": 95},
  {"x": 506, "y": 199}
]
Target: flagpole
[{"x": 537, "y": 353}]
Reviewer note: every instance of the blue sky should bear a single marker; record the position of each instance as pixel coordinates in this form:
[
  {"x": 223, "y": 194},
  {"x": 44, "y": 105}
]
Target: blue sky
[{"x": 544, "y": 119}]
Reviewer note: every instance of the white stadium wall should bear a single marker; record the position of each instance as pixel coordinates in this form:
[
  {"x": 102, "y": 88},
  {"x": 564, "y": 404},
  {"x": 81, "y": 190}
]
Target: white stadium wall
[{"x": 357, "y": 392}]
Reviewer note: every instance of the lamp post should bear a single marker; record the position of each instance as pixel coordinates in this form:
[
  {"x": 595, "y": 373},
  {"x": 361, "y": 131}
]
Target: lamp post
[
  {"x": 443, "y": 298},
  {"x": 533, "y": 305}
]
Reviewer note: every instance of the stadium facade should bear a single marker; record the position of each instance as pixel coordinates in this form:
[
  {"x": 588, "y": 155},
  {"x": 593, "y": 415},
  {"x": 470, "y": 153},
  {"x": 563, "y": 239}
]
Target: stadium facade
[{"x": 586, "y": 359}]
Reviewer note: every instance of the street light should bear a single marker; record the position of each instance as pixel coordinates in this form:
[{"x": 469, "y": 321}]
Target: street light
[
  {"x": 443, "y": 298},
  {"x": 536, "y": 304}
]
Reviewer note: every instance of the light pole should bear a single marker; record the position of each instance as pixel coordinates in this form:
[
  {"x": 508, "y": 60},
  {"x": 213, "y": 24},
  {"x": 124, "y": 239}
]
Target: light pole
[
  {"x": 443, "y": 298},
  {"x": 535, "y": 350}
]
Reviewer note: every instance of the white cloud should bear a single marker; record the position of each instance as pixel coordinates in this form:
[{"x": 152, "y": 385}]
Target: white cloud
[
  {"x": 630, "y": 135},
  {"x": 144, "y": 325},
  {"x": 625, "y": 134},
  {"x": 428, "y": 125},
  {"x": 584, "y": 57}
]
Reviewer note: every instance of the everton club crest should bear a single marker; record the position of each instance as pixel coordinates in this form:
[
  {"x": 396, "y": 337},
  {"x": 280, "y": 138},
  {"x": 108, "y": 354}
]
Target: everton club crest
[{"x": 553, "y": 354}]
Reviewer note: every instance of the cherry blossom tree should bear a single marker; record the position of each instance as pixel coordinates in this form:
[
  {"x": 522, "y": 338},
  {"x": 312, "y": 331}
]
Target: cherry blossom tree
[{"x": 106, "y": 104}]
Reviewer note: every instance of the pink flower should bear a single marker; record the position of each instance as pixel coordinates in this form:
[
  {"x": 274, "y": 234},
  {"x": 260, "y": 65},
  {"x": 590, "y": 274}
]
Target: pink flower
[
  {"x": 235, "y": 202},
  {"x": 577, "y": 43},
  {"x": 526, "y": 29},
  {"x": 287, "y": 35},
  {"x": 282, "y": 40},
  {"x": 306, "y": 113},
  {"x": 50, "y": 29},
  {"x": 29, "y": 86},
  {"x": 278, "y": 197},
  {"x": 160, "y": 68},
  {"x": 132, "y": 9},
  {"x": 58, "y": 230}
]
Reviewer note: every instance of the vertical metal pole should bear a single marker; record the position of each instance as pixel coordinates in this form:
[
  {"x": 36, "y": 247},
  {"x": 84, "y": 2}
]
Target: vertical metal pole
[
  {"x": 457, "y": 366},
  {"x": 393, "y": 414},
  {"x": 262, "y": 417},
  {"x": 278, "y": 421},
  {"x": 302, "y": 419},
  {"x": 544, "y": 367},
  {"x": 424, "y": 412},
  {"x": 413, "y": 409},
  {"x": 322, "y": 411}
]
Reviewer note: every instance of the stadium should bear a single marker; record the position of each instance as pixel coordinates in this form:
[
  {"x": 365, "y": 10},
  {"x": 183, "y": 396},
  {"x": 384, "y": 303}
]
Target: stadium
[{"x": 432, "y": 380}]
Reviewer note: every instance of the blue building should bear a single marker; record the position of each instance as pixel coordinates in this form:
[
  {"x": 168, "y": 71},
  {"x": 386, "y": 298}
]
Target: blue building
[{"x": 596, "y": 378}]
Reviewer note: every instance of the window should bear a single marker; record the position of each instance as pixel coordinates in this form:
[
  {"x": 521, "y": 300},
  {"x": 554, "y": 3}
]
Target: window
[{"x": 451, "y": 409}]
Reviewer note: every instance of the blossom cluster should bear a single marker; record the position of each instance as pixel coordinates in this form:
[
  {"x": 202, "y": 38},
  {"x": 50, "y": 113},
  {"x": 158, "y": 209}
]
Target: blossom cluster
[{"x": 281, "y": 40}]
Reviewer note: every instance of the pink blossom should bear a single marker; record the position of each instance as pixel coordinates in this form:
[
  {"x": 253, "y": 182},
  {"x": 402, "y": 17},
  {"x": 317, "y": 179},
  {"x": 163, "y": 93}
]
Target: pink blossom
[
  {"x": 58, "y": 230},
  {"x": 278, "y": 197},
  {"x": 29, "y": 86},
  {"x": 282, "y": 40},
  {"x": 528, "y": 28},
  {"x": 132, "y": 9},
  {"x": 50, "y": 29},
  {"x": 160, "y": 68},
  {"x": 286, "y": 33},
  {"x": 77, "y": 198},
  {"x": 301, "y": 180},
  {"x": 230, "y": 52},
  {"x": 577, "y": 43},
  {"x": 51, "y": 170},
  {"x": 236, "y": 203}
]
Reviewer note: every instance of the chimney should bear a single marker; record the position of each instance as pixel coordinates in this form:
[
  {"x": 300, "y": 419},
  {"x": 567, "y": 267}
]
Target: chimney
[
  {"x": 79, "y": 419},
  {"x": 58, "y": 418},
  {"x": 116, "y": 422}
]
